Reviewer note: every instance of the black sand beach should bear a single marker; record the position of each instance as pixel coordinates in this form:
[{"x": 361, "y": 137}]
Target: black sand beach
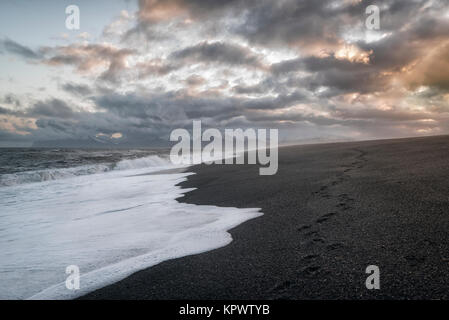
[{"x": 329, "y": 212}]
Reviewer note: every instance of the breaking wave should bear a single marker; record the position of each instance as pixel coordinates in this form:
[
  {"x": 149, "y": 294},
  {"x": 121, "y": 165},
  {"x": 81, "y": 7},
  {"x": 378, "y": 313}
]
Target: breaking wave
[{"x": 64, "y": 173}]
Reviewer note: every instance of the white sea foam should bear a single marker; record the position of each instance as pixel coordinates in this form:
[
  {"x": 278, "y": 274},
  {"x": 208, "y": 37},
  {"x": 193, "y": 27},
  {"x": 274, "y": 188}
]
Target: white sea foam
[
  {"x": 110, "y": 224},
  {"x": 64, "y": 173}
]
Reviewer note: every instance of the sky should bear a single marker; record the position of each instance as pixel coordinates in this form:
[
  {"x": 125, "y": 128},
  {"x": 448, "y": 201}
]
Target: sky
[{"x": 136, "y": 70}]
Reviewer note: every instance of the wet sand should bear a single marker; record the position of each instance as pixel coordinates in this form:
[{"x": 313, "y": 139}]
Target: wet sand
[{"x": 329, "y": 212}]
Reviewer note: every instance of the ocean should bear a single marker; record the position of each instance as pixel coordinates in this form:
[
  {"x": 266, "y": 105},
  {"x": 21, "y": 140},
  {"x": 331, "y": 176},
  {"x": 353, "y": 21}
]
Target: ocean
[{"x": 108, "y": 212}]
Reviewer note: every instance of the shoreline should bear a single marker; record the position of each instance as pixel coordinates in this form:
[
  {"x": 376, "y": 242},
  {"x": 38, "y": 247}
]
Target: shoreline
[{"x": 329, "y": 212}]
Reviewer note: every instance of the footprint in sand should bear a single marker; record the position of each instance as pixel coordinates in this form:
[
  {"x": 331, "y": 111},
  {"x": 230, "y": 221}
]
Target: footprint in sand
[
  {"x": 309, "y": 257},
  {"x": 325, "y": 217},
  {"x": 335, "y": 246},
  {"x": 304, "y": 227},
  {"x": 311, "y": 270}
]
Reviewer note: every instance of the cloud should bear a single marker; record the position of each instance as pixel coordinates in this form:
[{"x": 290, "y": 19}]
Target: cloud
[
  {"x": 218, "y": 52},
  {"x": 55, "y": 108},
  {"x": 90, "y": 58},
  {"x": 12, "y": 99},
  {"x": 156, "y": 67},
  {"x": 306, "y": 25},
  {"x": 15, "y": 48},
  {"x": 306, "y": 67},
  {"x": 153, "y": 11},
  {"x": 77, "y": 89},
  {"x": 432, "y": 70}
]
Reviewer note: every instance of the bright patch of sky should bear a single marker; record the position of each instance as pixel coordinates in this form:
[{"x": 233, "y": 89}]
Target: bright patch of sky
[{"x": 37, "y": 24}]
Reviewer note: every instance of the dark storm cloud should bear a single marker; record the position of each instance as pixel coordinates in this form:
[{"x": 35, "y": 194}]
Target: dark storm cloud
[
  {"x": 397, "y": 14},
  {"x": 313, "y": 25},
  {"x": 204, "y": 52},
  {"x": 5, "y": 111},
  {"x": 12, "y": 99},
  {"x": 341, "y": 75},
  {"x": 304, "y": 23},
  {"x": 57, "y": 125},
  {"x": 413, "y": 29},
  {"x": 321, "y": 23},
  {"x": 178, "y": 107},
  {"x": 77, "y": 89},
  {"x": 52, "y": 108},
  {"x": 156, "y": 108},
  {"x": 360, "y": 81},
  {"x": 218, "y": 52},
  {"x": 18, "y": 49},
  {"x": 316, "y": 64}
]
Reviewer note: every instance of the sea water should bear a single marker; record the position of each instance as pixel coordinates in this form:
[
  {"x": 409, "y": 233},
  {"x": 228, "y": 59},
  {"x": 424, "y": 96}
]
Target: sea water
[{"x": 110, "y": 213}]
